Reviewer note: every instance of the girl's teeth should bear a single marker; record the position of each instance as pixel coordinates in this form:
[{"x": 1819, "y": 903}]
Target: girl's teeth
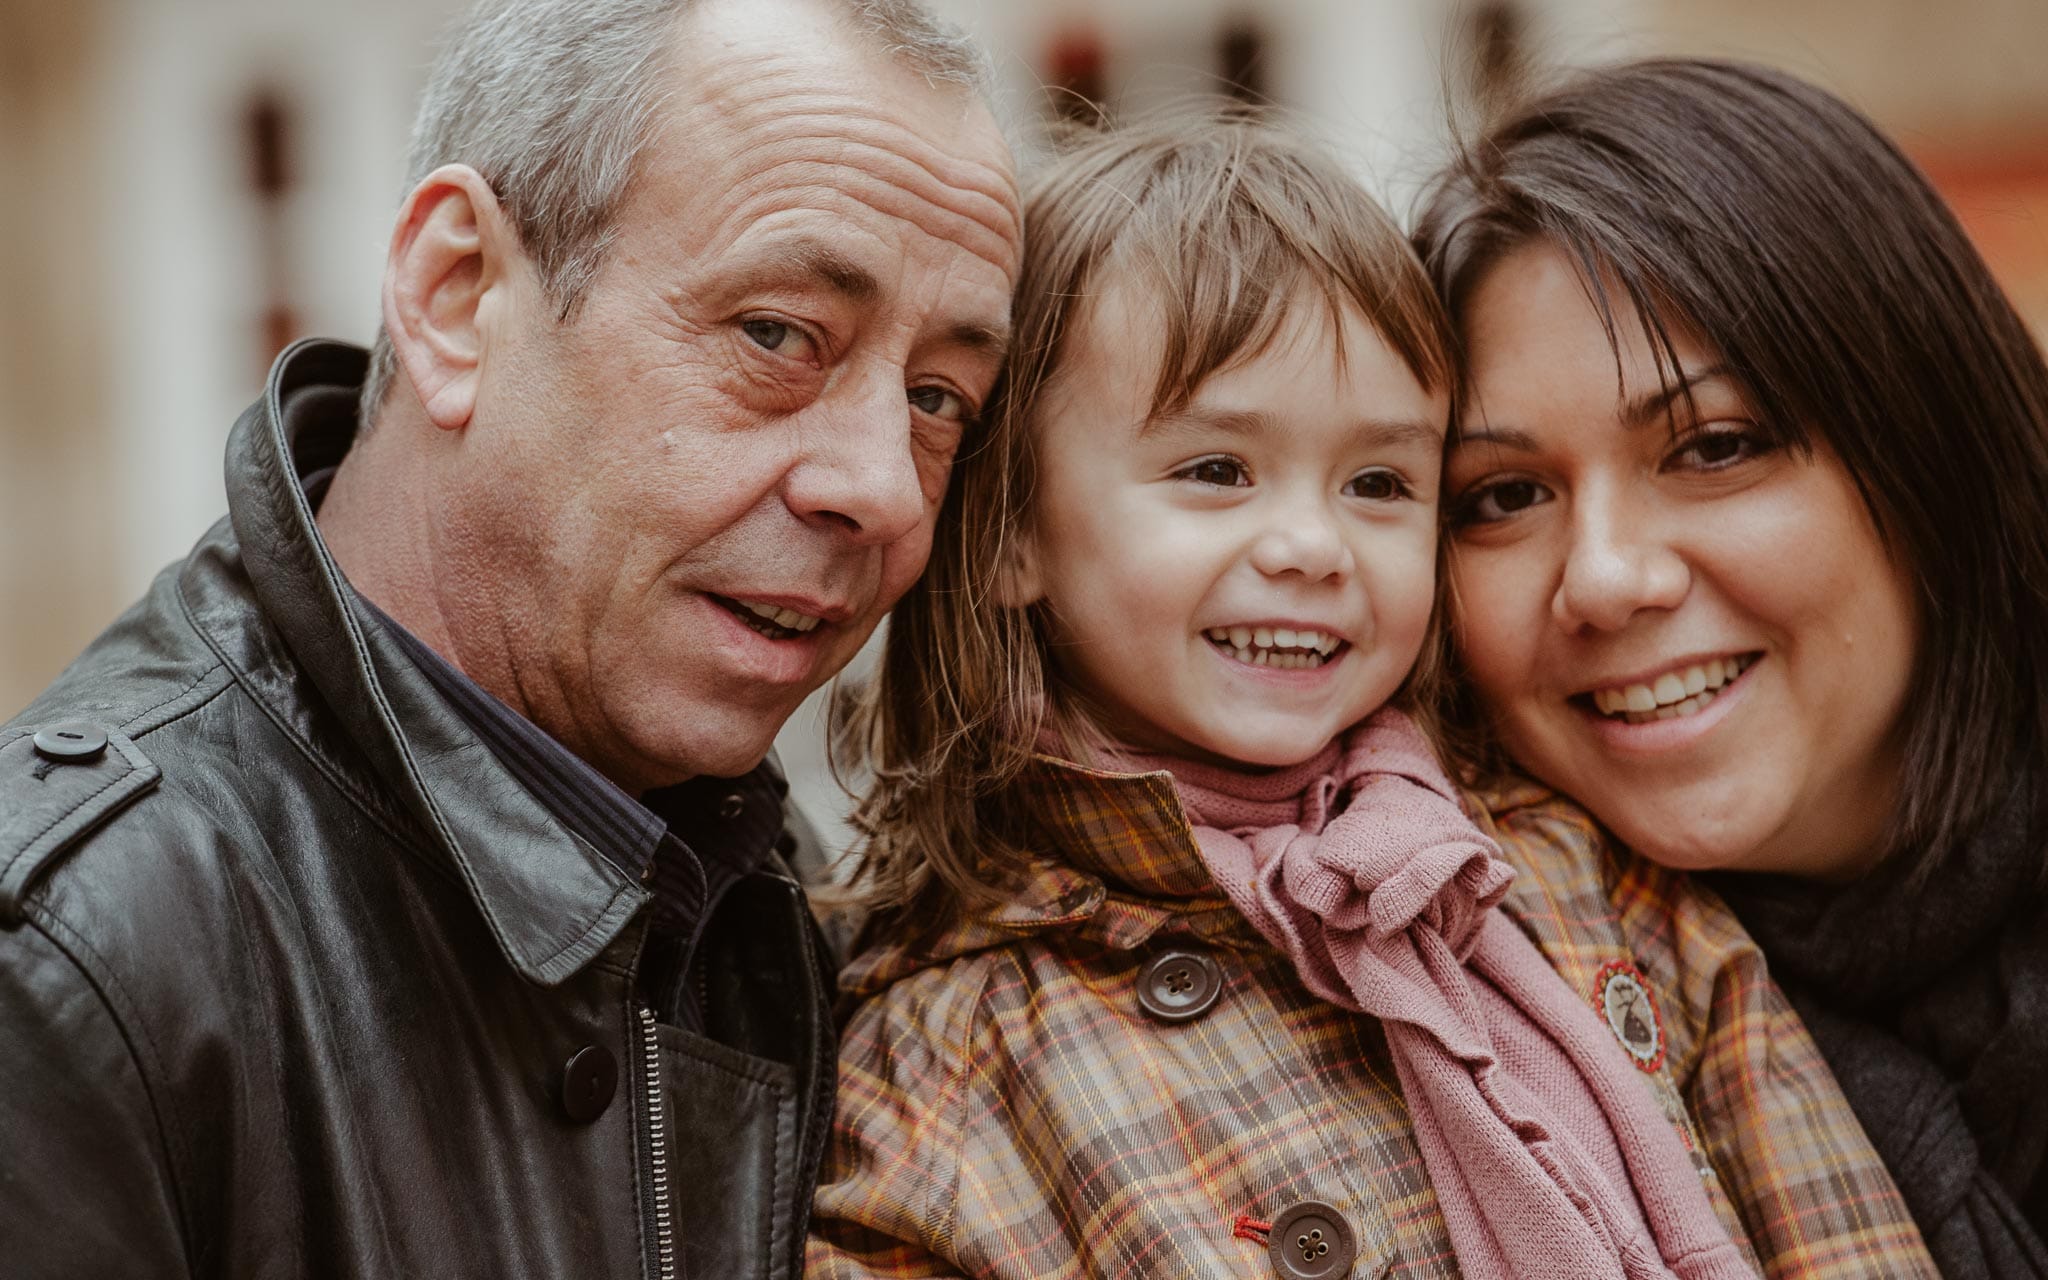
[{"x": 1288, "y": 648}]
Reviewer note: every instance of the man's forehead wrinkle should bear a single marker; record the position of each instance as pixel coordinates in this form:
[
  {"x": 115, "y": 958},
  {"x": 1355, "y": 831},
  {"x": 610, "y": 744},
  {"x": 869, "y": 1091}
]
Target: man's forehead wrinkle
[
  {"x": 777, "y": 186},
  {"x": 771, "y": 88},
  {"x": 827, "y": 129}
]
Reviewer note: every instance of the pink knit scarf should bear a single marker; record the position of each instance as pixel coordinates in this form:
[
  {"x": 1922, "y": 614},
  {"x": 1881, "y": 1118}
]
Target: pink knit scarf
[{"x": 1549, "y": 1156}]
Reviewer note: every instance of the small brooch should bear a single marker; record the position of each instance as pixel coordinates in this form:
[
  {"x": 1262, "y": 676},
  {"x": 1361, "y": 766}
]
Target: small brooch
[{"x": 1622, "y": 995}]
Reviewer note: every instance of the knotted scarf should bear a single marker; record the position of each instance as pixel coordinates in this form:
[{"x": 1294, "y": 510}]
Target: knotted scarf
[{"x": 1550, "y": 1158}]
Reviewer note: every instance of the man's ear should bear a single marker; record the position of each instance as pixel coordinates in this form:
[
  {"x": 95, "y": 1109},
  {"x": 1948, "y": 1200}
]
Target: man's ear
[
  {"x": 1018, "y": 582},
  {"x": 453, "y": 246}
]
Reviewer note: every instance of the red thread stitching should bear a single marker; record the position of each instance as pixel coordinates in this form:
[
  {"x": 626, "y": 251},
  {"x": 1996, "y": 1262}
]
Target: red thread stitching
[{"x": 1246, "y": 1227}]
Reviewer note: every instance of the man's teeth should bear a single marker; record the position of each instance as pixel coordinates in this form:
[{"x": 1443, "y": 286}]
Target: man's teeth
[
  {"x": 1283, "y": 647},
  {"x": 1675, "y": 693},
  {"x": 787, "y": 619}
]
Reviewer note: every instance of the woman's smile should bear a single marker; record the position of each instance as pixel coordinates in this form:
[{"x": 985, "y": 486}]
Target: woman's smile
[
  {"x": 1682, "y": 689},
  {"x": 1672, "y": 611}
]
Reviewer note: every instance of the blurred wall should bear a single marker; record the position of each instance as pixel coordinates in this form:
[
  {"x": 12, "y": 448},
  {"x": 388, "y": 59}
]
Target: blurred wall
[
  {"x": 54, "y": 426},
  {"x": 183, "y": 183}
]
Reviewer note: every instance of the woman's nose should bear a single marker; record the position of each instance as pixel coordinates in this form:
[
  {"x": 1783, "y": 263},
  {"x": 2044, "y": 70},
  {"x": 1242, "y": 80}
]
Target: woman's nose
[{"x": 1619, "y": 562}]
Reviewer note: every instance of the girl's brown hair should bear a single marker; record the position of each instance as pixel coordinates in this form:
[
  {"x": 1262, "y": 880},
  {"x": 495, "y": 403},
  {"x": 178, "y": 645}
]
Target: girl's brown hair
[
  {"x": 1222, "y": 220},
  {"x": 1775, "y": 222}
]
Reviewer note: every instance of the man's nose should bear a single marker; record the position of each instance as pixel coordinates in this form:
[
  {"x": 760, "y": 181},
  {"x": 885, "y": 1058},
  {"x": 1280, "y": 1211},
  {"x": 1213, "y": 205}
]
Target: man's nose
[
  {"x": 1301, "y": 539},
  {"x": 1619, "y": 562},
  {"x": 859, "y": 466}
]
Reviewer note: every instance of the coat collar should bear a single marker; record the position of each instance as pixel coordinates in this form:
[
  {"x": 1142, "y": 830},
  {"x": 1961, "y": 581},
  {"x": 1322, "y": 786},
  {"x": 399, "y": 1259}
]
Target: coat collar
[
  {"x": 1114, "y": 862},
  {"x": 552, "y": 902},
  {"x": 1127, "y": 829}
]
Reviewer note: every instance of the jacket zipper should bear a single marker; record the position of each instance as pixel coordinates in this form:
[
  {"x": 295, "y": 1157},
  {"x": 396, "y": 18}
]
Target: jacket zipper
[{"x": 657, "y": 1147}]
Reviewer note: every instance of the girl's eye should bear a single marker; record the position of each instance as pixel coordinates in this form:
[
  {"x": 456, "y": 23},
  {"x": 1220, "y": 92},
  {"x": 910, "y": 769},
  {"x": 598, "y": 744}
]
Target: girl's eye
[
  {"x": 1715, "y": 449},
  {"x": 940, "y": 402},
  {"x": 1500, "y": 500},
  {"x": 775, "y": 335},
  {"x": 1377, "y": 486},
  {"x": 1224, "y": 473}
]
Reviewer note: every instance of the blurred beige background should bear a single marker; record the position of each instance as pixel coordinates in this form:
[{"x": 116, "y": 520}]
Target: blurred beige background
[{"x": 187, "y": 184}]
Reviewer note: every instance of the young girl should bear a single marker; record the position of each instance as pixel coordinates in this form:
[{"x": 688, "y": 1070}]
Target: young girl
[{"x": 1190, "y": 962}]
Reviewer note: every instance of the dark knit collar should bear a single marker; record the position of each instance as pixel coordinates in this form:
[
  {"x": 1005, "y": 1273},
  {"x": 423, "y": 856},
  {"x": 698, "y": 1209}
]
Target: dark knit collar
[
  {"x": 1928, "y": 995},
  {"x": 1892, "y": 934}
]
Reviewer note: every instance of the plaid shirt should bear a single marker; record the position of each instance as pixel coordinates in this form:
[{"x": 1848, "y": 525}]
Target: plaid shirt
[{"x": 1007, "y": 1109}]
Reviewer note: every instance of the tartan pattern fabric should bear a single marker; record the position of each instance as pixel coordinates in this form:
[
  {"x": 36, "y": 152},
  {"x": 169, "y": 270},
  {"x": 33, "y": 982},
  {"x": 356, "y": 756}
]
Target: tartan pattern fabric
[
  {"x": 1794, "y": 1166},
  {"x": 1007, "y": 1109}
]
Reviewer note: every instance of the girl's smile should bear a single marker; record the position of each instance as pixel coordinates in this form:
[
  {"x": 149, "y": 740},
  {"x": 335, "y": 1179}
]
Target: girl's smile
[
  {"x": 1278, "y": 646},
  {"x": 1243, "y": 577}
]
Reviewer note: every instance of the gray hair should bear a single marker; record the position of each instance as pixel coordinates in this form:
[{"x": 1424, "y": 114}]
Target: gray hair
[{"x": 552, "y": 102}]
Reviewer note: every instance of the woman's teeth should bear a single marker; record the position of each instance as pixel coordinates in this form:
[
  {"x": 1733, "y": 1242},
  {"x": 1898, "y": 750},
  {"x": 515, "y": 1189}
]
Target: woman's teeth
[
  {"x": 1282, "y": 647},
  {"x": 1683, "y": 692}
]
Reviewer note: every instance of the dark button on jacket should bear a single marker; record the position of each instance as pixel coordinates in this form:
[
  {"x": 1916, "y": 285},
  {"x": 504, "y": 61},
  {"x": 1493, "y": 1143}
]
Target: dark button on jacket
[
  {"x": 1179, "y": 986},
  {"x": 1311, "y": 1241},
  {"x": 71, "y": 741},
  {"x": 292, "y": 971},
  {"x": 588, "y": 1083}
]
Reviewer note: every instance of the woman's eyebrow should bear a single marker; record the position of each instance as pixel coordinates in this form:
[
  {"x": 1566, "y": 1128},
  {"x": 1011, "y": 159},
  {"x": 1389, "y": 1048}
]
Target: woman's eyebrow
[
  {"x": 1498, "y": 436},
  {"x": 1655, "y": 406},
  {"x": 1640, "y": 411}
]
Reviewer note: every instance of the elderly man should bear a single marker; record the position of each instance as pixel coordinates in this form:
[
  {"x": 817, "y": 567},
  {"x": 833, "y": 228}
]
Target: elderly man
[{"x": 395, "y": 890}]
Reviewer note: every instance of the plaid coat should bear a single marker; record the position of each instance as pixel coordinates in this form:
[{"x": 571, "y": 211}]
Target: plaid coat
[{"x": 1007, "y": 1107}]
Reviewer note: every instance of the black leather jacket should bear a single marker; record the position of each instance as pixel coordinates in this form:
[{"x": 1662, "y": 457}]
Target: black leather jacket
[{"x": 294, "y": 980}]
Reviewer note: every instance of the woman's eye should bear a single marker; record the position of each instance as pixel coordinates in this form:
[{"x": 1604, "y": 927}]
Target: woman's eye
[
  {"x": 775, "y": 335},
  {"x": 1501, "y": 500},
  {"x": 1713, "y": 450},
  {"x": 1377, "y": 486},
  {"x": 1224, "y": 473},
  {"x": 940, "y": 402}
]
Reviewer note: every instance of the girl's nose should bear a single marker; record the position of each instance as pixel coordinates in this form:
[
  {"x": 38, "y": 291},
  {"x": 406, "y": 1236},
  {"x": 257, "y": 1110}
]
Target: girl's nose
[
  {"x": 1300, "y": 540},
  {"x": 1617, "y": 564}
]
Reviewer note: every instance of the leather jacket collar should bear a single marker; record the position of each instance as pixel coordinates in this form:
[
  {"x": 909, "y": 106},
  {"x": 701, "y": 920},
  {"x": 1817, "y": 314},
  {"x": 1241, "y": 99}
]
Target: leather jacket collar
[{"x": 552, "y": 902}]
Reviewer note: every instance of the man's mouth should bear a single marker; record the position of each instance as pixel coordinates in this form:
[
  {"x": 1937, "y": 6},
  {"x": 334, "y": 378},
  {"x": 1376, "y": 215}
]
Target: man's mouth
[
  {"x": 1681, "y": 691},
  {"x": 774, "y": 621},
  {"x": 1289, "y": 648}
]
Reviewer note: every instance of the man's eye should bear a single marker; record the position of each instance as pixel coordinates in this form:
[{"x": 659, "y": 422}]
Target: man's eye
[
  {"x": 775, "y": 335},
  {"x": 1501, "y": 500},
  {"x": 940, "y": 402},
  {"x": 1224, "y": 473},
  {"x": 1377, "y": 486}
]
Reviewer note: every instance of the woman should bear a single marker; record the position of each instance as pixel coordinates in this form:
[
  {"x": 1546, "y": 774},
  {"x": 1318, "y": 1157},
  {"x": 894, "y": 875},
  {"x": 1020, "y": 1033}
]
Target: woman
[{"x": 1749, "y": 506}]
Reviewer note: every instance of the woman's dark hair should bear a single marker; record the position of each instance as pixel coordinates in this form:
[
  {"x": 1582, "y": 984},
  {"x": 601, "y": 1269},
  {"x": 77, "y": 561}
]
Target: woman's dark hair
[{"x": 1771, "y": 220}]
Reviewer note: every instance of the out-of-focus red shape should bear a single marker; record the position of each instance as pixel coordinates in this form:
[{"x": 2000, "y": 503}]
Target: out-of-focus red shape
[
  {"x": 1076, "y": 69},
  {"x": 2001, "y": 197}
]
